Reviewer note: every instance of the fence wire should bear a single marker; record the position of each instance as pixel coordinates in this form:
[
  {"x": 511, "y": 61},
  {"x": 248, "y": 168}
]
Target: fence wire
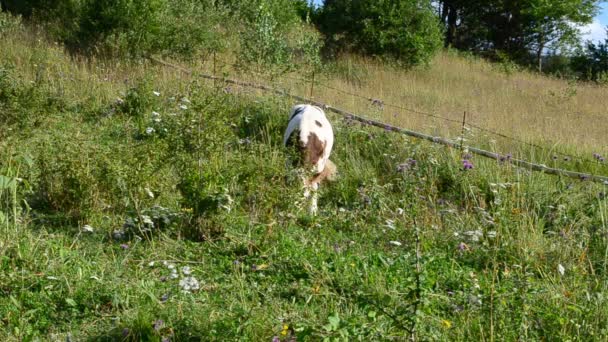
[{"x": 520, "y": 163}]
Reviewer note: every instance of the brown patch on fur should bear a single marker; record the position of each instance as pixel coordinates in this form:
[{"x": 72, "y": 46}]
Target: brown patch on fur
[
  {"x": 318, "y": 123},
  {"x": 314, "y": 149}
]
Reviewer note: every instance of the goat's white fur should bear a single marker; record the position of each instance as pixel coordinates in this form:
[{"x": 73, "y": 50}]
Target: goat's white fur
[{"x": 309, "y": 120}]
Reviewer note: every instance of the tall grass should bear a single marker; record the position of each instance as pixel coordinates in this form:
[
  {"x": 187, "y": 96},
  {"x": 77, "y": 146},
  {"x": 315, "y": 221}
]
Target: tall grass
[{"x": 116, "y": 213}]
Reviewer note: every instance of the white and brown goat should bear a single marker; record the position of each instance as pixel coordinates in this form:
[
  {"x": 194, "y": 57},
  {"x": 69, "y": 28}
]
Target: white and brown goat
[{"x": 311, "y": 136}]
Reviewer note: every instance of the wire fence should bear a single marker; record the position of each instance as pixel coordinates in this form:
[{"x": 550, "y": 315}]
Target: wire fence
[
  {"x": 381, "y": 103},
  {"x": 434, "y": 139}
]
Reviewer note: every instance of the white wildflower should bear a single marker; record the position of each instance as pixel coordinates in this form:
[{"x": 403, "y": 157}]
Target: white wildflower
[
  {"x": 400, "y": 211},
  {"x": 390, "y": 224},
  {"x": 147, "y": 220},
  {"x": 149, "y": 130},
  {"x": 87, "y": 229},
  {"x": 185, "y": 100},
  {"x": 171, "y": 266},
  {"x": 149, "y": 192},
  {"x": 395, "y": 243},
  {"x": 174, "y": 275},
  {"x": 156, "y": 93},
  {"x": 189, "y": 284},
  {"x": 474, "y": 235},
  {"x": 491, "y": 234},
  {"x": 561, "y": 269},
  {"x": 184, "y": 107},
  {"x": 151, "y": 264},
  {"x": 186, "y": 270}
]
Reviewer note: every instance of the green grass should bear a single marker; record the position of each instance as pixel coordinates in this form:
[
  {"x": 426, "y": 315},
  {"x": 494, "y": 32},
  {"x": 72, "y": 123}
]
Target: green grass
[{"x": 433, "y": 252}]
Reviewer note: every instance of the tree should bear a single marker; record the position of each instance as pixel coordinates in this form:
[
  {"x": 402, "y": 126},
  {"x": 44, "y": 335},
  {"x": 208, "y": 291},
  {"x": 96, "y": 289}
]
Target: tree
[
  {"x": 403, "y": 29},
  {"x": 523, "y": 30},
  {"x": 551, "y": 24},
  {"x": 591, "y": 63}
]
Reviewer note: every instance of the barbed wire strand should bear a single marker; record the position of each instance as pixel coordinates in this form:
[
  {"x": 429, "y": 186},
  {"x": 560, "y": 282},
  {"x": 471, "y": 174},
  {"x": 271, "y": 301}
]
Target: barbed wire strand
[{"x": 261, "y": 87}]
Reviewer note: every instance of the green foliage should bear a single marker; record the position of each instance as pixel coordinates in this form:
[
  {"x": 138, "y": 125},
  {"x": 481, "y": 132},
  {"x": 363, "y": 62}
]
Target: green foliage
[
  {"x": 522, "y": 30},
  {"x": 405, "y": 30},
  {"x": 9, "y": 24},
  {"x": 131, "y": 28},
  {"x": 406, "y": 245},
  {"x": 276, "y": 40},
  {"x": 591, "y": 63},
  {"x": 265, "y": 44}
]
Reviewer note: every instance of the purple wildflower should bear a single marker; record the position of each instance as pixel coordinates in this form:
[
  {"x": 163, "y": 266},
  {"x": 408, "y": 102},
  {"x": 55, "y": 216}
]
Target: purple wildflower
[
  {"x": 467, "y": 165},
  {"x": 507, "y": 157},
  {"x": 462, "y": 247},
  {"x": 124, "y": 246},
  {"x": 158, "y": 324},
  {"x": 164, "y": 298},
  {"x": 236, "y": 262},
  {"x": 367, "y": 200},
  {"x": 276, "y": 339},
  {"x": 409, "y": 164},
  {"x": 601, "y": 159},
  {"x": 166, "y": 339},
  {"x": 377, "y": 102},
  {"x": 163, "y": 279},
  {"x": 337, "y": 248}
]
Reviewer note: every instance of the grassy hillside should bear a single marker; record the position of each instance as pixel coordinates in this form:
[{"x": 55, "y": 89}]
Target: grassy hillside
[{"x": 137, "y": 203}]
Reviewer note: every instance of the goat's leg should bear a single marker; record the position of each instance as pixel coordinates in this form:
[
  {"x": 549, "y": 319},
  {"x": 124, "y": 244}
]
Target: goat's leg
[{"x": 313, "y": 201}]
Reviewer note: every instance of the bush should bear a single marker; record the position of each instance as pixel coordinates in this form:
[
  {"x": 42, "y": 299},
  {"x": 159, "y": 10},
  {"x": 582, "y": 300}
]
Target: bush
[
  {"x": 405, "y": 30},
  {"x": 276, "y": 39},
  {"x": 129, "y": 28}
]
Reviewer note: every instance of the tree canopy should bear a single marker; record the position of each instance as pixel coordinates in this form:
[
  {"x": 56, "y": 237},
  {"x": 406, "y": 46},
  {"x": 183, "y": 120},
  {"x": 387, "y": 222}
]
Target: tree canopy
[{"x": 523, "y": 30}]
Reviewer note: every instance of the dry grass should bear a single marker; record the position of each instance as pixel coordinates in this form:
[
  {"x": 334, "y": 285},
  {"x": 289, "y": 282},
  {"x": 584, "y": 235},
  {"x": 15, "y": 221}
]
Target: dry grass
[{"x": 563, "y": 116}]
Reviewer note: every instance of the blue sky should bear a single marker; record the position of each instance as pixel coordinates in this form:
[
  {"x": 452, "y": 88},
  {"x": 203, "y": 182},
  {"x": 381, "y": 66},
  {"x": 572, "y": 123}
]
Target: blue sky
[
  {"x": 594, "y": 31},
  {"x": 597, "y": 30}
]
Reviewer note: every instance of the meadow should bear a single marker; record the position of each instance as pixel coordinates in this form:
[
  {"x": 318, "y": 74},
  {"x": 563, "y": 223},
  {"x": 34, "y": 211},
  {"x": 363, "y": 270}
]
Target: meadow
[{"x": 140, "y": 203}]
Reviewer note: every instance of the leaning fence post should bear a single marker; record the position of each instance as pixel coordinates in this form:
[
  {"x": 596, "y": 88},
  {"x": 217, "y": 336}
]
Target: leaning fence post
[{"x": 464, "y": 121}]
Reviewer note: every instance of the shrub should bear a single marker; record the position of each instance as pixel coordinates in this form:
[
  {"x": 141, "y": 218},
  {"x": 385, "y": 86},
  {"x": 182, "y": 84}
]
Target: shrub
[{"x": 405, "y": 30}]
